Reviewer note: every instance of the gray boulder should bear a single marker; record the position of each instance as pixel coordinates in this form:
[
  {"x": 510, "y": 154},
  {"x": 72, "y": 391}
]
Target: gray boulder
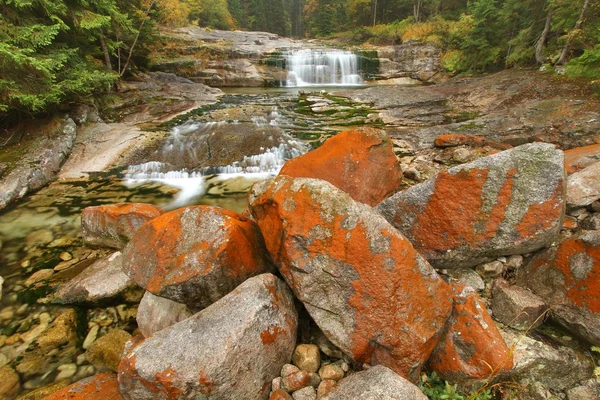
[
  {"x": 103, "y": 279},
  {"x": 231, "y": 350},
  {"x": 509, "y": 203},
  {"x": 557, "y": 369},
  {"x": 374, "y": 384}
]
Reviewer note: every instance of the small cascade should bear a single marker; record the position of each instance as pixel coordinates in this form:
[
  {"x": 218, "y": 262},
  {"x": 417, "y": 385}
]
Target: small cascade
[
  {"x": 178, "y": 154},
  {"x": 322, "y": 68}
]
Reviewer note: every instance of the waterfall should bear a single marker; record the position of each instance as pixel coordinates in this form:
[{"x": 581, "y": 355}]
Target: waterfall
[{"x": 322, "y": 67}]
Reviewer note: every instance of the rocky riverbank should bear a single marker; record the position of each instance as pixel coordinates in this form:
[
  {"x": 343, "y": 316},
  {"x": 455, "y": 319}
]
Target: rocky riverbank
[{"x": 317, "y": 294}]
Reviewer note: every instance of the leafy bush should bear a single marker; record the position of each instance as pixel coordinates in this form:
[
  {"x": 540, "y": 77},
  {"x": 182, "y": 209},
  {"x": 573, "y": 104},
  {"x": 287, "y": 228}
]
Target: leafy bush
[{"x": 436, "y": 389}]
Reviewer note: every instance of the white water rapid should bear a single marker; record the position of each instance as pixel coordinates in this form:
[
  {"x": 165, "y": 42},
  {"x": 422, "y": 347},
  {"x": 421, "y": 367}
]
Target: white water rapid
[{"x": 322, "y": 68}]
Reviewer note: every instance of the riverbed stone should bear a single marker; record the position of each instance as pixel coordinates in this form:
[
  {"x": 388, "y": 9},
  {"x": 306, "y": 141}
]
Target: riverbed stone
[
  {"x": 517, "y": 307},
  {"x": 375, "y": 383},
  {"x": 280, "y": 394},
  {"x": 508, "y": 203},
  {"x": 389, "y": 305},
  {"x": 331, "y": 371},
  {"x": 113, "y": 225},
  {"x": 196, "y": 255},
  {"x": 567, "y": 277},
  {"x": 9, "y": 382},
  {"x": 295, "y": 381},
  {"x": 472, "y": 346},
  {"x": 98, "y": 387},
  {"x": 156, "y": 313},
  {"x": 306, "y": 393},
  {"x": 102, "y": 280},
  {"x": 583, "y": 187},
  {"x": 106, "y": 351},
  {"x": 360, "y": 162},
  {"x": 252, "y": 334}
]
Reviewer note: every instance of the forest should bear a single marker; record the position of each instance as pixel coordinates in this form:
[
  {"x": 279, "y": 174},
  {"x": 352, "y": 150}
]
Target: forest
[{"x": 53, "y": 52}]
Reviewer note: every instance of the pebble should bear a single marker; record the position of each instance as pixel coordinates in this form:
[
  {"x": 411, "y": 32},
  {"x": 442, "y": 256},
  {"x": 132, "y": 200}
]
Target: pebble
[
  {"x": 36, "y": 331},
  {"x": 331, "y": 371},
  {"x": 91, "y": 337},
  {"x": 7, "y": 315},
  {"x": 2, "y": 340},
  {"x": 325, "y": 387},
  {"x": 514, "y": 262},
  {"x": 66, "y": 265},
  {"x": 66, "y": 372},
  {"x": 85, "y": 371},
  {"x": 307, "y": 357},
  {"x": 81, "y": 359},
  {"x": 3, "y": 360},
  {"x": 490, "y": 270},
  {"x": 23, "y": 309},
  {"x": 13, "y": 339},
  {"x": 38, "y": 276},
  {"x": 276, "y": 384},
  {"x": 288, "y": 369},
  {"x": 65, "y": 256},
  {"x": 307, "y": 393},
  {"x": 26, "y": 263}
]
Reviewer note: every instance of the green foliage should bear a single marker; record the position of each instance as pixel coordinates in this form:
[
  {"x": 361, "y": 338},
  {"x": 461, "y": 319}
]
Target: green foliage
[
  {"x": 52, "y": 52},
  {"x": 211, "y": 14},
  {"x": 437, "y": 389}
]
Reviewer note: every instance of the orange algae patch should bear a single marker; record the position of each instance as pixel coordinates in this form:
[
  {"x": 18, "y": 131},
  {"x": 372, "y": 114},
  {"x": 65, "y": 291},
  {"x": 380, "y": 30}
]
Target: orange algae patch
[
  {"x": 583, "y": 292},
  {"x": 270, "y": 335},
  {"x": 540, "y": 217}
]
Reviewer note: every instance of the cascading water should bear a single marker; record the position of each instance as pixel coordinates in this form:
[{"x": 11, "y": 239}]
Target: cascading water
[
  {"x": 321, "y": 68},
  {"x": 180, "y": 151}
]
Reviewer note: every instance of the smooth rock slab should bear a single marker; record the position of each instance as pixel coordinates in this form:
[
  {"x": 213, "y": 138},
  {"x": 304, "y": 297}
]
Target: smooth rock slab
[
  {"x": 157, "y": 313},
  {"x": 509, "y": 203},
  {"x": 231, "y": 350},
  {"x": 98, "y": 387},
  {"x": 567, "y": 277},
  {"x": 556, "y": 368},
  {"x": 374, "y": 384},
  {"x": 114, "y": 225},
  {"x": 580, "y": 157},
  {"x": 361, "y": 281},
  {"x": 472, "y": 346},
  {"x": 195, "y": 255},
  {"x": 360, "y": 162},
  {"x": 583, "y": 187},
  {"x": 102, "y": 280}
]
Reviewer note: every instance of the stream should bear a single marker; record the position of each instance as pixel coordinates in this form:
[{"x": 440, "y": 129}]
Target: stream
[{"x": 249, "y": 134}]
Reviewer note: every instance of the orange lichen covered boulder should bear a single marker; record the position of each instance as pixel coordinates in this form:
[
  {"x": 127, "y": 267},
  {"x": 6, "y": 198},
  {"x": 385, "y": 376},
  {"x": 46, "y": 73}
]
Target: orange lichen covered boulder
[
  {"x": 512, "y": 202},
  {"x": 195, "y": 255},
  {"x": 98, "y": 387},
  {"x": 567, "y": 277},
  {"x": 232, "y": 349},
  {"x": 362, "y": 282},
  {"x": 114, "y": 225},
  {"x": 457, "y": 139},
  {"x": 472, "y": 346},
  {"x": 360, "y": 162},
  {"x": 580, "y": 157}
]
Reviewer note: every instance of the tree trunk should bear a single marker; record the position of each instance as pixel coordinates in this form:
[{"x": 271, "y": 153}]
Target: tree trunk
[
  {"x": 539, "y": 47},
  {"x": 122, "y": 72},
  {"x": 105, "y": 52},
  {"x": 565, "y": 52},
  {"x": 375, "y": 13},
  {"x": 417, "y": 10}
]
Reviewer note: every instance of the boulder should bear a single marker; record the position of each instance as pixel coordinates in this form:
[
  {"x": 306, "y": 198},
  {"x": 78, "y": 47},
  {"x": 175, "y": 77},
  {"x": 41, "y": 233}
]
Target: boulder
[
  {"x": 195, "y": 255},
  {"x": 472, "y": 346},
  {"x": 567, "y": 277},
  {"x": 9, "y": 383},
  {"x": 583, "y": 187},
  {"x": 360, "y": 162},
  {"x": 361, "y": 281},
  {"x": 104, "y": 279},
  {"x": 534, "y": 361},
  {"x": 230, "y": 350},
  {"x": 106, "y": 351},
  {"x": 98, "y": 387},
  {"x": 114, "y": 225},
  {"x": 517, "y": 307},
  {"x": 375, "y": 383},
  {"x": 580, "y": 157},
  {"x": 509, "y": 203},
  {"x": 157, "y": 313}
]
